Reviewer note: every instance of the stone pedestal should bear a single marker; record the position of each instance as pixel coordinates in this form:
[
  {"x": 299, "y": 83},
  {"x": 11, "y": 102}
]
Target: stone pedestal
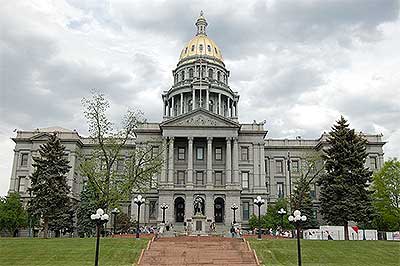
[{"x": 199, "y": 224}]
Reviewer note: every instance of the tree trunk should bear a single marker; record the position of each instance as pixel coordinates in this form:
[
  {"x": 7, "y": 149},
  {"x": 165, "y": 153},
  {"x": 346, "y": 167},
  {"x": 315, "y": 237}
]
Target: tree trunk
[
  {"x": 346, "y": 231},
  {"x": 45, "y": 226}
]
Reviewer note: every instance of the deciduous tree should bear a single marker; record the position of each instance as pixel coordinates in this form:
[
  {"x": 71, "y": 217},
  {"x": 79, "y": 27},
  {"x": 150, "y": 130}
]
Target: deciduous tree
[{"x": 13, "y": 216}]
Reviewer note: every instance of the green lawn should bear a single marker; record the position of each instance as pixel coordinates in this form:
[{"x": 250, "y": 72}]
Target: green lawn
[
  {"x": 69, "y": 251},
  {"x": 334, "y": 253}
]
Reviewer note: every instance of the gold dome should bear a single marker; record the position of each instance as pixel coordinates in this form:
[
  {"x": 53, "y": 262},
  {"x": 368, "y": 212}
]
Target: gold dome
[{"x": 201, "y": 44}]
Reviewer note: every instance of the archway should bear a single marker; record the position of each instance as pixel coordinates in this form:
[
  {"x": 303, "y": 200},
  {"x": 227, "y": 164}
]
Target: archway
[
  {"x": 179, "y": 210},
  {"x": 219, "y": 210}
]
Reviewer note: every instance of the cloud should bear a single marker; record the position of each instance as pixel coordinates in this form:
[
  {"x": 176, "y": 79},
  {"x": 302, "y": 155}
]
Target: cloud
[{"x": 297, "y": 64}]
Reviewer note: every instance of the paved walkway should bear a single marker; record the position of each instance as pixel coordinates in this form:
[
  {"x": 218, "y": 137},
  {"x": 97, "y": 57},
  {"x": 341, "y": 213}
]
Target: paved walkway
[{"x": 198, "y": 251}]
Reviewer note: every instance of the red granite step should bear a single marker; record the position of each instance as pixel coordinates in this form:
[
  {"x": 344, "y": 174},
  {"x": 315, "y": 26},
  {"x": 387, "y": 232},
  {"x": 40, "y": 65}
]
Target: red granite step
[{"x": 198, "y": 251}]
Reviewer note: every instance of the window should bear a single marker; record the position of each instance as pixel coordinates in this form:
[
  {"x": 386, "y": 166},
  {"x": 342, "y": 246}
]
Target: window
[
  {"x": 152, "y": 209},
  {"x": 245, "y": 180},
  {"x": 216, "y": 50},
  {"x": 210, "y": 73},
  {"x": 190, "y": 73},
  {"x": 24, "y": 159},
  {"x": 200, "y": 153},
  {"x": 181, "y": 153},
  {"x": 192, "y": 47},
  {"x": 218, "y": 76},
  {"x": 21, "y": 184},
  {"x": 203, "y": 71},
  {"x": 373, "y": 163},
  {"x": 186, "y": 50},
  {"x": 190, "y": 105},
  {"x": 279, "y": 167},
  {"x": 218, "y": 154},
  {"x": 199, "y": 178},
  {"x": 201, "y": 47},
  {"x": 209, "y": 48},
  {"x": 245, "y": 211},
  {"x": 155, "y": 150},
  {"x": 211, "y": 106},
  {"x": 279, "y": 189},
  {"x": 218, "y": 178},
  {"x": 295, "y": 166},
  {"x": 266, "y": 167},
  {"x": 183, "y": 75},
  {"x": 181, "y": 178},
  {"x": 244, "y": 153},
  {"x": 120, "y": 165}
]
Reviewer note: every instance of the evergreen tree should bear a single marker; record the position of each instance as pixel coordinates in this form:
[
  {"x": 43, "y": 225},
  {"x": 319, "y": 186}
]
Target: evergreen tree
[
  {"x": 344, "y": 191},
  {"x": 87, "y": 206},
  {"x": 302, "y": 201},
  {"x": 50, "y": 200},
  {"x": 13, "y": 216}
]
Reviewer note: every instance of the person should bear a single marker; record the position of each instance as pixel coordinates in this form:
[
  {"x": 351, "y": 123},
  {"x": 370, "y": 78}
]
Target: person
[{"x": 233, "y": 231}]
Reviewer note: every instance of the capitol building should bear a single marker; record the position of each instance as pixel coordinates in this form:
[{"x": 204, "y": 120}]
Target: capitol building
[{"x": 210, "y": 154}]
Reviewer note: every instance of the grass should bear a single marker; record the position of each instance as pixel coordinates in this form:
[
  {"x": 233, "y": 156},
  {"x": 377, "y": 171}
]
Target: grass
[
  {"x": 69, "y": 251},
  {"x": 328, "y": 253}
]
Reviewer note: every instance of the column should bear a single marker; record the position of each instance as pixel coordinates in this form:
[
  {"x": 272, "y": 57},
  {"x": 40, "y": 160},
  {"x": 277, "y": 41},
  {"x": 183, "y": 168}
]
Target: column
[
  {"x": 236, "y": 108},
  {"x": 262, "y": 168},
  {"x": 165, "y": 108},
  {"x": 200, "y": 98},
  {"x": 229, "y": 107},
  {"x": 171, "y": 161},
  {"x": 181, "y": 103},
  {"x": 173, "y": 106},
  {"x": 228, "y": 172},
  {"x": 256, "y": 162},
  {"x": 168, "y": 108},
  {"x": 190, "y": 162},
  {"x": 235, "y": 167},
  {"x": 219, "y": 104},
  {"x": 207, "y": 99},
  {"x": 194, "y": 99},
  {"x": 164, "y": 164},
  {"x": 209, "y": 162}
]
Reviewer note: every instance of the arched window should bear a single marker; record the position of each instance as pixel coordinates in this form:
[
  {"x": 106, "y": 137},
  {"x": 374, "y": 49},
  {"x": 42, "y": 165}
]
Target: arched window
[
  {"x": 210, "y": 73},
  {"x": 201, "y": 47},
  {"x": 190, "y": 105},
  {"x": 216, "y": 50},
  {"x": 192, "y": 47},
  {"x": 186, "y": 50},
  {"x": 190, "y": 73},
  {"x": 219, "y": 76},
  {"x": 183, "y": 75},
  {"x": 176, "y": 77},
  {"x": 209, "y": 48},
  {"x": 211, "y": 106},
  {"x": 203, "y": 71}
]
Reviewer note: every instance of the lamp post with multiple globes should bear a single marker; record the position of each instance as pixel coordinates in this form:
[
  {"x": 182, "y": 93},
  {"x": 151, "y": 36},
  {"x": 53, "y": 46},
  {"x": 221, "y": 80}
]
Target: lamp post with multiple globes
[
  {"x": 100, "y": 218},
  {"x": 297, "y": 218},
  {"x": 163, "y": 207},
  {"x": 234, "y": 207},
  {"x": 139, "y": 200},
  {"x": 259, "y": 202}
]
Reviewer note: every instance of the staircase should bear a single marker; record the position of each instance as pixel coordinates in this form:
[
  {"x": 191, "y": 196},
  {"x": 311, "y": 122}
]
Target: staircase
[{"x": 191, "y": 250}]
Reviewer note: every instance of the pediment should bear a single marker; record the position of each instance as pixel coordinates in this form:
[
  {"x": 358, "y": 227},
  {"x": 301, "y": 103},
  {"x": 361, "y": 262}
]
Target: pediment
[
  {"x": 200, "y": 118},
  {"x": 41, "y": 137}
]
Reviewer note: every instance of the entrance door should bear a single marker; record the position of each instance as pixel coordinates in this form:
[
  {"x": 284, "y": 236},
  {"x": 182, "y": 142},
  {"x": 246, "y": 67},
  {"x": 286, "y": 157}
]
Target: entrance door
[
  {"x": 219, "y": 210},
  {"x": 179, "y": 210}
]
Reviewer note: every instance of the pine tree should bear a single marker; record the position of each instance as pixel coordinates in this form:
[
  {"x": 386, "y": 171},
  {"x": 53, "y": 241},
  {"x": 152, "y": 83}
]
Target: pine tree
[
  {"x": 49, "y": 188},
  {"x": 87, "y": 206},
  {"x": 344, "y": 191},
  {"x": 302, "y": 201}
]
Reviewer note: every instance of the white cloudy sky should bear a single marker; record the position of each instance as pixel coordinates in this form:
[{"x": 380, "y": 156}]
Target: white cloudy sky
[{"x": 297, "y": 64}]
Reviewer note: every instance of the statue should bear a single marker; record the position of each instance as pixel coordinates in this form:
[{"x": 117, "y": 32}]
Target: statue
[{"x": 198, "y": 206}]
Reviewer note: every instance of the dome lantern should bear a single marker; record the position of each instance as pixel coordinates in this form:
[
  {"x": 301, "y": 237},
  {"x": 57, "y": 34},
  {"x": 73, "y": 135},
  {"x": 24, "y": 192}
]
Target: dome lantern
[{"x": 201, "y": 24}]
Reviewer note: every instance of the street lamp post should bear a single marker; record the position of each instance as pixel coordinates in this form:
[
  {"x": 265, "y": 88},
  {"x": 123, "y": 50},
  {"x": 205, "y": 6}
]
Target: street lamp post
[
  {"x": 234, "y": 207},
  {"x": 259, "y": 202},
  {"x": 163, "y": 207},
  {"x": 297, "y": 218},
  {"x": 115, "y": 212},
  {"x": 139, "y": 200},
  {"x": 282, "y": 213},
  {"x": 100, "y": 218}
]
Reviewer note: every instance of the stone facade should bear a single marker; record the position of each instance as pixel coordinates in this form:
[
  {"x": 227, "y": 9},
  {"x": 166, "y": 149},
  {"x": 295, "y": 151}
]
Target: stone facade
[{"x": 207, "y": 152}]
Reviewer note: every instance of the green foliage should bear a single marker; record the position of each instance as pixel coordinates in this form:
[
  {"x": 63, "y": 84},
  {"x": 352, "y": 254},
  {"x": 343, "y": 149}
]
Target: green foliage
[
  {"x": 386, "y": 187},
  {"x": 344, "y": 191},
  {"x": 253, "y": 222},
  {"x": 49, "y": 189},
  {"x": 124, "y": 223},
  {"x": 137, "y": 165},
  {"x": 12, "y": 214},
  {"x": 87, "y": 206},
  {"x": 272, "y": 219}
]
